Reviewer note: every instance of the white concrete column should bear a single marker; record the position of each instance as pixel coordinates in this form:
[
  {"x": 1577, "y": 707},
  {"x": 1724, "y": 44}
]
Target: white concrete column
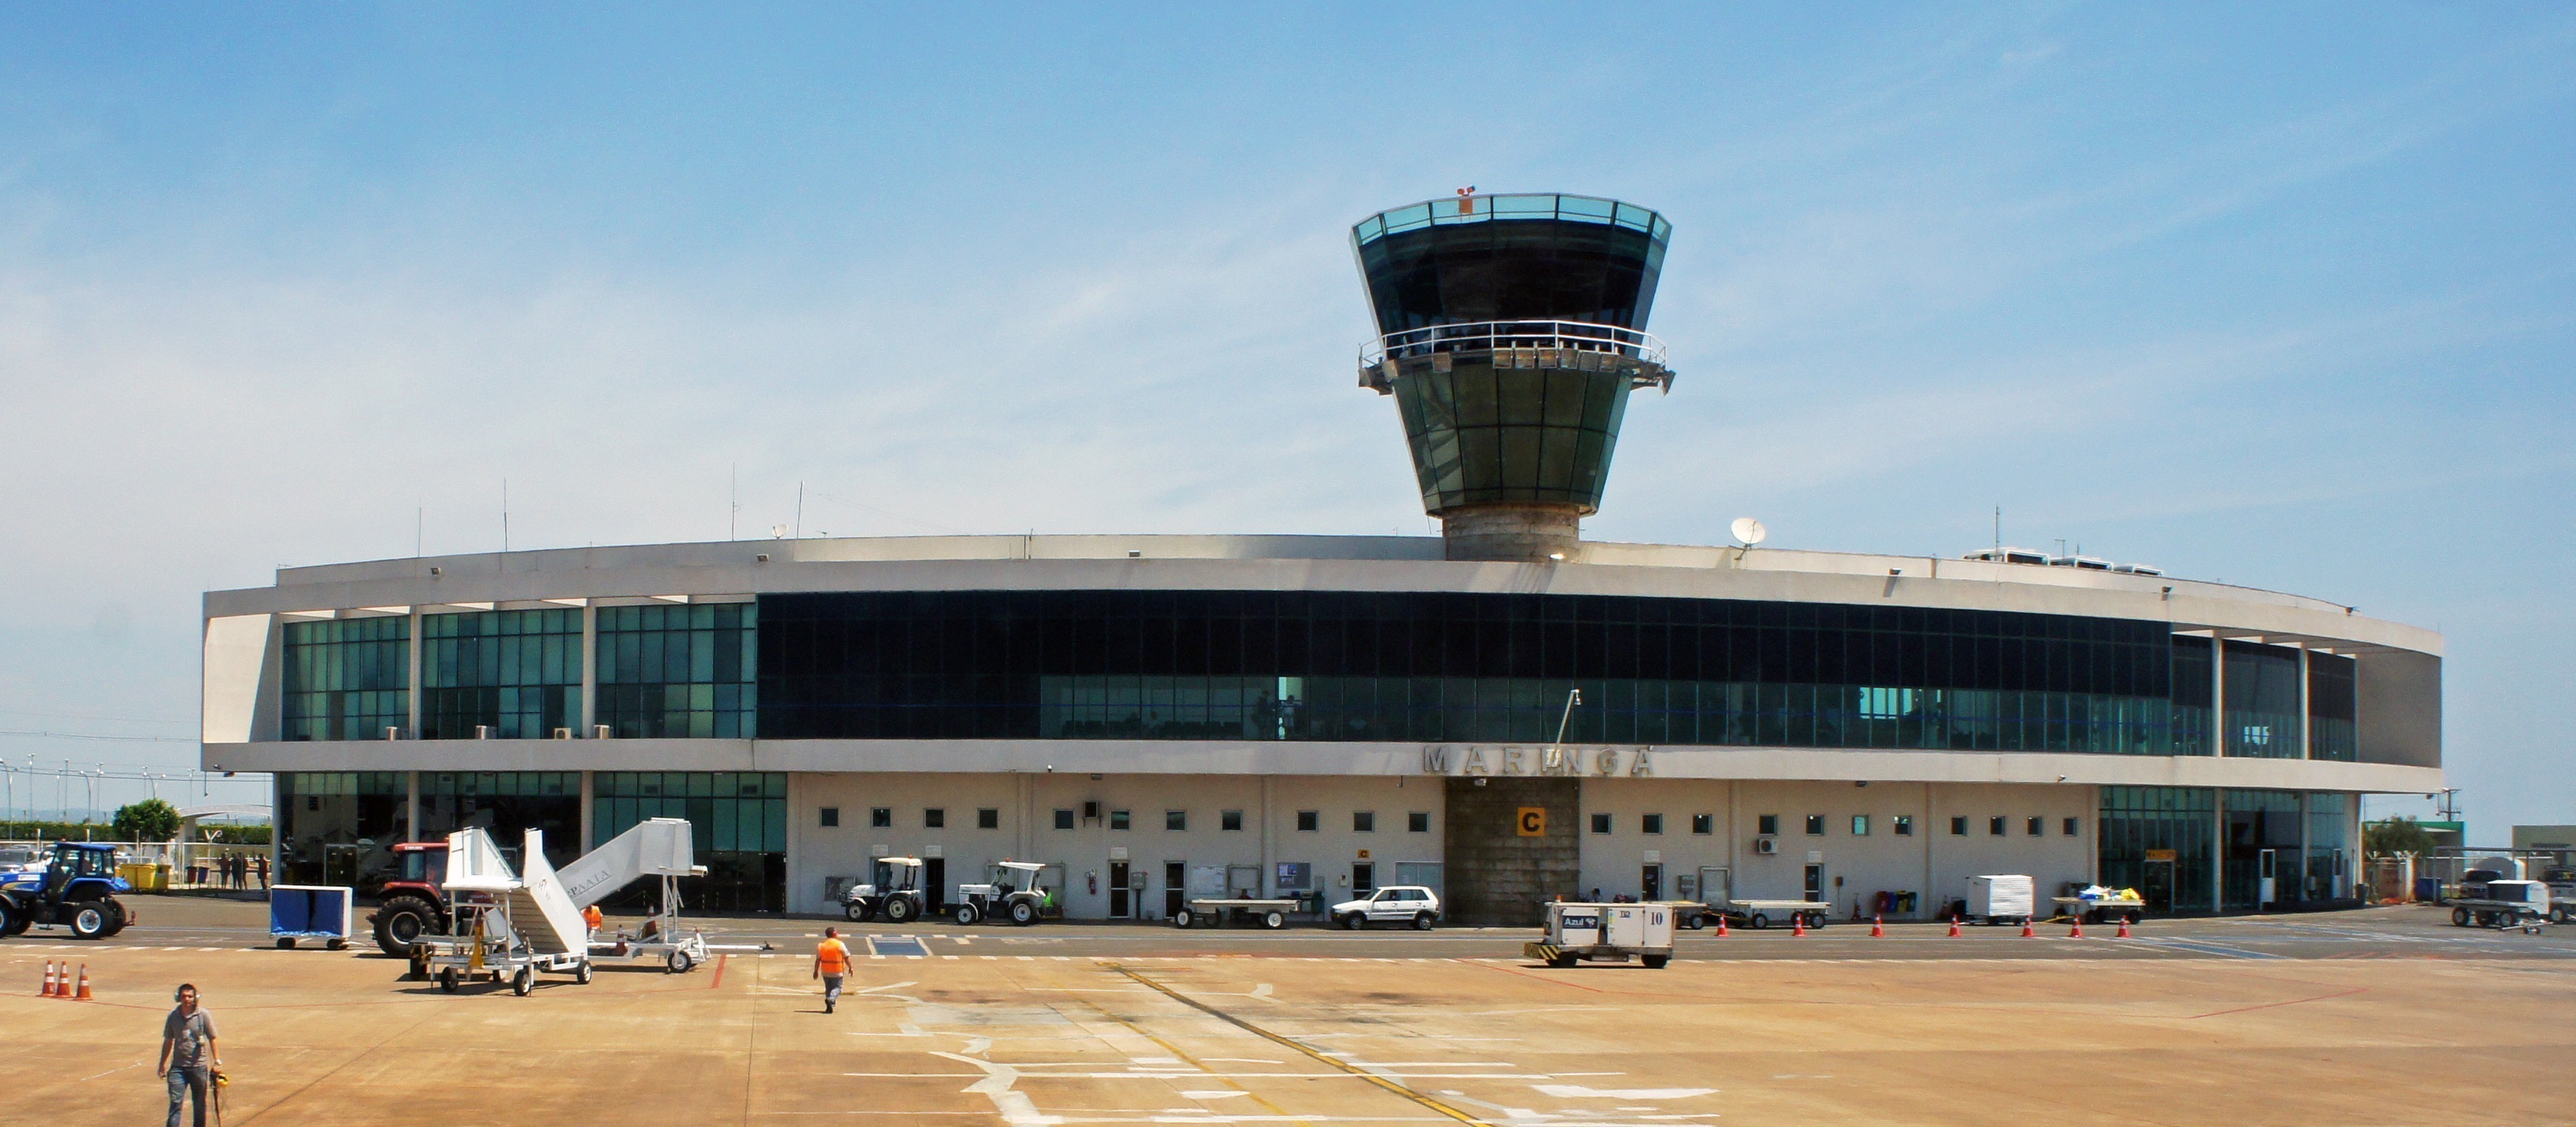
[
  {"x": 1268, "y": 885},
  {"x": 2307, "y": 736},
  {"x": 587, "y": 841},
  {"x": 412, "y": 697},
  {"x": 411, "y": 806},
  {"x": 2218, "y": 697},
  {"x": 1028, "y": 786},
  {"x": 589, "y": 684},
  {"x": 2217, "y": 850}
]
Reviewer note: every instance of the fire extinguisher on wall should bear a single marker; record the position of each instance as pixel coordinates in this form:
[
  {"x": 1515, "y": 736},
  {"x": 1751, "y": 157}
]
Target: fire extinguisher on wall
[{"x": 1091, "y": 881}]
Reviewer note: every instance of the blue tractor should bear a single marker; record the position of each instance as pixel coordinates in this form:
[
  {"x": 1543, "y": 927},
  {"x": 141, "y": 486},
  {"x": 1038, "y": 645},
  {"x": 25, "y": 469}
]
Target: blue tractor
[{"x": 76, "y": 890}]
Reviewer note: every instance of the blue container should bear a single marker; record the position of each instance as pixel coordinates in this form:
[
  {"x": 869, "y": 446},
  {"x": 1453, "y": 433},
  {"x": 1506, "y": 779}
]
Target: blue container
[{"x": 2428, "y": 889}]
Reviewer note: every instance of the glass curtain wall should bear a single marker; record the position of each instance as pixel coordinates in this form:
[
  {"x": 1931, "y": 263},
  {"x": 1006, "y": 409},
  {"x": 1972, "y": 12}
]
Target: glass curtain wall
[
  {"x": 1463, "y": 667},
  {"x": 515, "y": 673},
  {"x": 738, "y": 823},
  {"x": 506, "y": 805},
  {"x": 346, "y": 678},
  {"x": 2157, "y": 840},
  {"x": 2192, "y": 688},
  {"x": 679, "y": 671},
  {"x": 2264, "y": 720},
  {"x": 2260, "y": 823},
  {"x": 2331, "y": 870},
  {"x": 2333, "y": 708},
  {"x": 338, "y": 827}
]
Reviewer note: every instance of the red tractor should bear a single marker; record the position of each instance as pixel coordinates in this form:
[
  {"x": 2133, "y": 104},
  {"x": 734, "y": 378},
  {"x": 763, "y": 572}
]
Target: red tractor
[{"x": 413, "y": 902}]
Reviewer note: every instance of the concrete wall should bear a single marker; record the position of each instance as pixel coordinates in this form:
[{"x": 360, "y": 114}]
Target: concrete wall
[{"x": 1498, "y": 875}]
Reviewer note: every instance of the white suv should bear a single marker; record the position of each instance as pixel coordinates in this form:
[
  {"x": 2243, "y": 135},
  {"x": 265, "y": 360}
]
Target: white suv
[{"x": 1403, "y": 903}]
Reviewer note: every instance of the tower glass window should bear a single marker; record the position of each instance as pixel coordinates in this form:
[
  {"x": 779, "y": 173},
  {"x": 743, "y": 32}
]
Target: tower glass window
[
  {"x": 513, "y": 673},
  {"x": 679, "y": 671},
  {"x": 346, "y": 679}
]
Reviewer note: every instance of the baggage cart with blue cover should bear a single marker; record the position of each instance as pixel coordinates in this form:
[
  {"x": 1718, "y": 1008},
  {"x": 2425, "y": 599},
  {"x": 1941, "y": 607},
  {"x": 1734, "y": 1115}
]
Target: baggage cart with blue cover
[{"x": 311, "y": 911}]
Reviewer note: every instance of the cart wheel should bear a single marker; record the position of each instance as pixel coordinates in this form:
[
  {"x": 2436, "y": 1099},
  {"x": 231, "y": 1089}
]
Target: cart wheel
[
  {"x": 1654, "y": 962},
  {"x": 338, "y": 944},
  {"x": 524, "y": 982},
  {"x": 1562, "y": 962},
  {"x": 2459, "y": 917},
  {"x": 1696, "y": 922},
  {"x": 678, "y": 963},
  {"x": 581, "y": 973},
  {"x": 1182, "y": 918},
  {"x": 285, "y": 943},
  {"x": 447, "y": 980},
  {"x": 1274, "y": 919},
  {"x": 1759, "y": 922}
]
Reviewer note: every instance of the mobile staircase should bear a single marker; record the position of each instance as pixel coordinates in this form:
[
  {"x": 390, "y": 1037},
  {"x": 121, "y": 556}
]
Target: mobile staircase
[{"x": 513, "y": 925}]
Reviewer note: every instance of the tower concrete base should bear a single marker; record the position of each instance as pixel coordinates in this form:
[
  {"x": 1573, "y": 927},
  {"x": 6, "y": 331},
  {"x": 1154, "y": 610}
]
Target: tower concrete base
[{"x": 1532, "y": 532}]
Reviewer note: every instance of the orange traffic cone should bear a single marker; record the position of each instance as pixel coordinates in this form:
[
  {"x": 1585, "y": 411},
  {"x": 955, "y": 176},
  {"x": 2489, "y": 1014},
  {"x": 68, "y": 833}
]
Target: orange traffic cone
[
  {"x": 1797, "y": 926},
  {"x": 84, "y": 983},
  {"x": 2026, "y": 932},
  {"x": 2078, "y": 933},
  {"x": 1954, "y": 927},
  {"x": 1876, "y": 929},
  {"x": 2124, "y": 928},
  {"x": 1721, "y": 927},
  {"x": 48, "y": 991}
]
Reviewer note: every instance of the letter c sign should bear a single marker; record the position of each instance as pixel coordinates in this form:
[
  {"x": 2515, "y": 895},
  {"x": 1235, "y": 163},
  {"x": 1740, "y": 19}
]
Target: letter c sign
[{"x": 1533, "y": 821}]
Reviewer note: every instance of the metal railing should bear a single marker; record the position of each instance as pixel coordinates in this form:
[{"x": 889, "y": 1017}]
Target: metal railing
[
  {"x": 1559, "y": 206},
  {"x": 1486, "y": 336}
]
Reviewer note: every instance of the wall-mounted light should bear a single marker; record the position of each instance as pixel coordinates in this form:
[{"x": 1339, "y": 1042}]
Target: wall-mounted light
[{"x": 434, "y": 573}]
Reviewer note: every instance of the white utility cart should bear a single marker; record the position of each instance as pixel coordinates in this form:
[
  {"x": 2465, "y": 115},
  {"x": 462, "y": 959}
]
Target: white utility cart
[
  {"x": 2005, "y": 898},
  {"x": 1760, "y": 914},
  {"x": 1605, "y": 933},
  {"x": 1220, "y": 911},
  {"x": 2100, "y": 910}
]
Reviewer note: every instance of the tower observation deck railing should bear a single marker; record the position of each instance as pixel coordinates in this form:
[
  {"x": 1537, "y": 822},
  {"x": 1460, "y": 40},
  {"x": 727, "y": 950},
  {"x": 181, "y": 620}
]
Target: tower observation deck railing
[
  {"x": 1507, "y": 207},
  {"x": 1489, "y": 336}
]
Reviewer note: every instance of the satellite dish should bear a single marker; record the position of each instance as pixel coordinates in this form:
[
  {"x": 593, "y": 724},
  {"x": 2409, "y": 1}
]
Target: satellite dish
[{"x": 1749, "y": 531}]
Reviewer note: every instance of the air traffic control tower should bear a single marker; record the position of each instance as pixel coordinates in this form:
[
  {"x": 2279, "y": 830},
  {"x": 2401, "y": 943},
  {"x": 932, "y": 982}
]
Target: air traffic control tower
[{"x": 1512, "y": 330}]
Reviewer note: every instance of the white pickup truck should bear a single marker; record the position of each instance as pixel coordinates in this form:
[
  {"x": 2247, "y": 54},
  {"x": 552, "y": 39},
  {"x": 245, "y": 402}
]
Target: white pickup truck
[{"x": 1396, "y": 903}]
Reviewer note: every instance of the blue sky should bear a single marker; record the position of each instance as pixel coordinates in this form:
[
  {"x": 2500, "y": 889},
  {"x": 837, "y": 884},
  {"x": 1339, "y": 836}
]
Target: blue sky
[{"x": 2279, "y": 295}]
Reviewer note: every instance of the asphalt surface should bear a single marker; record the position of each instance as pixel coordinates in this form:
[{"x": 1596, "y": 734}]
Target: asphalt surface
[{"x": 2403, "y": 932}]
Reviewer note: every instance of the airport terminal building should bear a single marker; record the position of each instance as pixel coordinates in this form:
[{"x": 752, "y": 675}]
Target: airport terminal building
[{"x": 1505, "y": 712}]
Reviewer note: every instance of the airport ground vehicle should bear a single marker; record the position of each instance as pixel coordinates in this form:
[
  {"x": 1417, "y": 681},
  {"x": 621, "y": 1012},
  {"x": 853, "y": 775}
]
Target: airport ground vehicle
[
  {"x": 1760, "y": 914},
  {"x": 76, "y": 889},
  {"x": 1609, "y": 933},
  {"x": 2100, "y": 911},
  {"x": 2005, "y": 898},
  {"x": 514, "y": 925},
  {"x": 899, "y": 897},
  {"x": 413, "y": 903},
  {"x": 1012, "y": 893},
  {"x": 2507, "y": 904},
  {"x": 1396, "y": 903},
  {"x": 1217, "y": 911}
]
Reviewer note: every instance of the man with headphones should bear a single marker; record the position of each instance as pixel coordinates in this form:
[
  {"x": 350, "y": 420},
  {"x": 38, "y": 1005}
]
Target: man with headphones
[{"x": 188, "y": 1053}]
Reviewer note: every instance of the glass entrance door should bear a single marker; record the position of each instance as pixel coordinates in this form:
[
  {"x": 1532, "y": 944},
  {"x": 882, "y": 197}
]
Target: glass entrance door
[
  {"x": 1122, "y": 903},
  {"x": 2157, "y": 888},
  {"x": 1650, "y": 883},
  {"x": 1175, "y": 886}
]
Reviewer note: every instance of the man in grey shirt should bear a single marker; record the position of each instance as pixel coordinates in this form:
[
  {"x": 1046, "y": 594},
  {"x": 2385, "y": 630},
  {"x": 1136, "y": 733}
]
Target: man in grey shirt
[{"x": 188, "y": 1053}]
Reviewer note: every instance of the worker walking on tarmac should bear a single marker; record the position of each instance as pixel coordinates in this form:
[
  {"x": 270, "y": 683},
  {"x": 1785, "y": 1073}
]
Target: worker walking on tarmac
[
  {"x": 188, "y": 1054},
  {"x": 831, "y": 963},
  {"x": 592, "y": 919}
]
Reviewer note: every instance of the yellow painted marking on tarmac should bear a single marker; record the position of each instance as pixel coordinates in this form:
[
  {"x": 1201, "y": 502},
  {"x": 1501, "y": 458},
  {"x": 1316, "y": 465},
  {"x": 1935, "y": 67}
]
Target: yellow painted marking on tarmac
[
  {"x": 1302, "y": 1047},
  {"x": 1183, "y": 1059}
]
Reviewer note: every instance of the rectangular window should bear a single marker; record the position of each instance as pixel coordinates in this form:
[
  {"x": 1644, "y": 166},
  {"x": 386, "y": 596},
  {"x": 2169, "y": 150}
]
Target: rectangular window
[
  {"x": 1064, "y": 819},
  {"x": 1767, "y": 824},
  {"x": 1815, "y": 825},
  {"x": 1601, "y": 823},
  {"x": 1364, "y": 821},
  {"x": 880, "y": 817},
  {"x": 1703, "y": 823},
  {"x": 2034, "y": 826},
  {"x": 1959, "y": 826},
  {"x": 2073, "y": 827},
  {"x": 988, "y": 818},
  {"x": 1860, "y": 825},
  {"x": 1418, "y": 822},
  {"x": 1650, "y": 823},
  {"x": 515, "y": 674},
  {"x": 1903, "y": 824},
  {"x": 346, "y": 679},
  {"x": 1995, "y": 826},
  {"x": 831, "y": 816},
  {"x": 670, "y": 672},
  {"x": 1231, "y": 821},
  {"x": 1117, "y": 819},
  {"x": 1308, "y": 821},
  {"x": 934, "y": 818},
  {"x": 1175, "y": 821}
]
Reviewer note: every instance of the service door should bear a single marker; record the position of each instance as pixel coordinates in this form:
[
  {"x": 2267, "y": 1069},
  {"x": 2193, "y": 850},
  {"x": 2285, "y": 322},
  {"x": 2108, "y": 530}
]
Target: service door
[
  {"x": 2158, "y": 888},
  {"x": 1650, "y": 883},
  {"x": 1176, "y": 882},
  {"x": 1121, "y": 903},
  {"x": 934, "y": 883},
  {"x": 1716, "y": 885}
]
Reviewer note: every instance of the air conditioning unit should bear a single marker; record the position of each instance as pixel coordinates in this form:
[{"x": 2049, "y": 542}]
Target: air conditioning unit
[
  {"x": 1766, "y": 846},
  {"x": 602, "y": 732},
  {"x": 563, "y": 733}
]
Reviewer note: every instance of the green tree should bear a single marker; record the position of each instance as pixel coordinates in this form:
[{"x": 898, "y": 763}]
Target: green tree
[
  {"x": 2390, "y": 837},
  {"x": 148, "y": 820}
]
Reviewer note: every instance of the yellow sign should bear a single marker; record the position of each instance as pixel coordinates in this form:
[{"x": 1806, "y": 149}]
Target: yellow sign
[
  {"x": 1364, "y": 855},
  {"x": 1533, "y": 821},
  {"x": 2160, "y": 855}
]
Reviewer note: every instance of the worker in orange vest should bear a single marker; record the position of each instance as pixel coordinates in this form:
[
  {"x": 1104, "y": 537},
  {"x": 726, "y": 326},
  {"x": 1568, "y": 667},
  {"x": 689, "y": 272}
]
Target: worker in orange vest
[
  {"x": 591, "y": 918},
  {"x": 831, "y": 963}
]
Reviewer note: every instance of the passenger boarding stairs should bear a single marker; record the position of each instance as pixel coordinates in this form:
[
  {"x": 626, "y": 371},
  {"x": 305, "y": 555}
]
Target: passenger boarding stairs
[{"x": 544, "y": 905}]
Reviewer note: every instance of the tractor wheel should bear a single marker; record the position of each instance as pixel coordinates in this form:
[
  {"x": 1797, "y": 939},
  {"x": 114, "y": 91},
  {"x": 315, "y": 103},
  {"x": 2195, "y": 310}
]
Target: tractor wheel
[
  {"x": 1274, "y": 919},
  {"x": 88, "y": 920},
  {"x": 448, "y": 980},
  {"x": 523, "y": 983},
  {"x": 1024, "y": 913},
  {"x": 967, "y": 915},
  {"x": 581, "y": 972},
  {"x": 860, "y": 912},
  {"x": 900, "y": 910},
  {"x": 117, "y": 917},
  {"x": 1422, "y": 921},
  {"x": 402, "y": 921},
  {"x": 11, "y": 923}
]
